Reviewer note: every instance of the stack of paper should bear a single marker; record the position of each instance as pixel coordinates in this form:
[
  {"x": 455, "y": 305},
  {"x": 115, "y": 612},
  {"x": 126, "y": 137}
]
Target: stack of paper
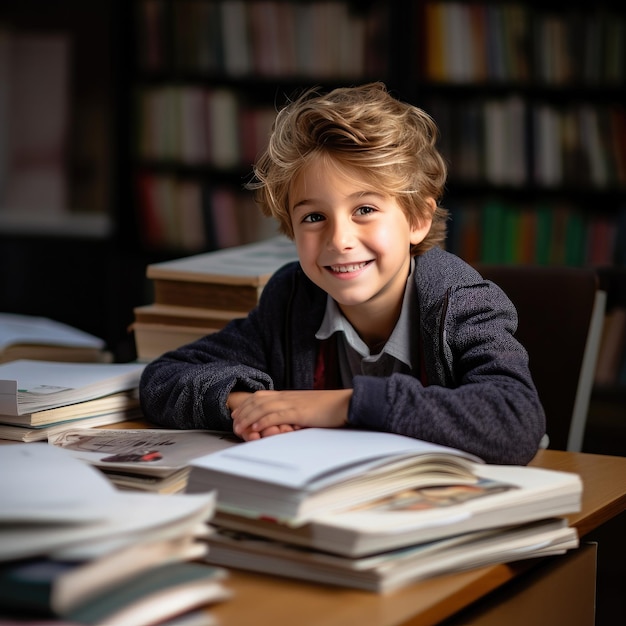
[
  {"x": 39, "y": 398},
  {"x": 376, "y": 510},
  {"x": 75, "y": 548},
  {"x": 144, "y": 459}
]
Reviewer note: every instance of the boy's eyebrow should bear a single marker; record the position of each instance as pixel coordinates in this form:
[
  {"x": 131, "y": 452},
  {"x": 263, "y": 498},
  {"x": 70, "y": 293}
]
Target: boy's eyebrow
[{"x": 353, "y": 196}]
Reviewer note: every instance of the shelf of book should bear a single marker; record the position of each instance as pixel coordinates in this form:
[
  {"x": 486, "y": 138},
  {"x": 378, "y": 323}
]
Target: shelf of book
[
  {"x": 207, "y": 77},
  {"x": 239, "y": 38},
  {"x": 529, "y": 100}
]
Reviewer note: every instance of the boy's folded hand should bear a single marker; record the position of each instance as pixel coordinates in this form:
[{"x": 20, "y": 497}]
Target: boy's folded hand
[{"x": 266, "y": 413}]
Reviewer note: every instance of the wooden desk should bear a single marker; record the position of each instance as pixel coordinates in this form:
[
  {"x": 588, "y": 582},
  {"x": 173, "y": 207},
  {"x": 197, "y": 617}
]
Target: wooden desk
[{"x": 274, "y": 601}]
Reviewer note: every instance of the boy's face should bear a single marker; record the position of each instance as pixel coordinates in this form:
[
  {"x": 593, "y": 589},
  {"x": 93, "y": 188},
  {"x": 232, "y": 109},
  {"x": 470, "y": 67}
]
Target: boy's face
[{"x": 352, "y": 242}]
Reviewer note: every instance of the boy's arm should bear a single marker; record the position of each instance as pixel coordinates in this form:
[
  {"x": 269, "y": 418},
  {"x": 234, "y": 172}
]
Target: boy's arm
[
  {"x": 189, "y": 387},
  {"x": 480, "y": 398}
]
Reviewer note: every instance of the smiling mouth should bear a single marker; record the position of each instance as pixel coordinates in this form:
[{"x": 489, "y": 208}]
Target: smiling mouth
[{"x": 352, "y": 267}]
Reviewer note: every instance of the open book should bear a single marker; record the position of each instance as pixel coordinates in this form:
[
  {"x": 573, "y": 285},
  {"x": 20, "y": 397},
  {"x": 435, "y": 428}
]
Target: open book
[
  {"x": 149, "y": 451},
  {"x": 146, "y": 459},
  {"x": 32, "y": 337},
  {"x": 299, "y": 475}
]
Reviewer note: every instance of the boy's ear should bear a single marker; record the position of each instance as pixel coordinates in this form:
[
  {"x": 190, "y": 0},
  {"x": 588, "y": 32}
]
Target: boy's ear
[{"x": 421, "y": 226}]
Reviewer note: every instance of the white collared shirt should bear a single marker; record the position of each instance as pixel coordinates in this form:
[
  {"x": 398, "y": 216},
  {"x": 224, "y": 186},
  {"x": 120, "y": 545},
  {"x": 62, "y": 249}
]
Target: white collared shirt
[{"x": 355, "y": 357}]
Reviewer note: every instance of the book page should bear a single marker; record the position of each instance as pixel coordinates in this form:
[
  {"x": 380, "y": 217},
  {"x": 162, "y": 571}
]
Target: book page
[
  {"x": 43, "y": 483},
  {"x": 314, "y": 457},
  {"x": 17, "y": 329}
]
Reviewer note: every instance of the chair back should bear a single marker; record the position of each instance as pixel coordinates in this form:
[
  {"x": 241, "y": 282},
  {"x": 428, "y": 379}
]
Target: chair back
[{"x": 561, "y": 311}]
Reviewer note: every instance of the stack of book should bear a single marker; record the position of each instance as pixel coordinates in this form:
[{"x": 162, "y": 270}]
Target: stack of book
[
  {"x": 41, "y": 398},
  {"x": 197, "y": 295},
  {"x": 377, "y": 511},
  {"x": 75, "y": 549}
]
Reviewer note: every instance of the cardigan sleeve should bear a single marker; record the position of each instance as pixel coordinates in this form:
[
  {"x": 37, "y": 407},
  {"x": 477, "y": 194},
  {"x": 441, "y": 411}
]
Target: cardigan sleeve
[{"x": 188, "y": 387}]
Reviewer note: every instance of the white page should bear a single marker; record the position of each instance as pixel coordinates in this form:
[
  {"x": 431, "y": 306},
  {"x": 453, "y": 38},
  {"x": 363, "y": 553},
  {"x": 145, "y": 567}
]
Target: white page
[
  {"x": 555, "y": 492},
  {"x": 26, "y": 329},
  {"x": 41, "y": 482},
  {"x": 298, "y": 458}
]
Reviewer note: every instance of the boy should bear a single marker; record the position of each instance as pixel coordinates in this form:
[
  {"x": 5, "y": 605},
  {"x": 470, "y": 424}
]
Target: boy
[{"x": 376, "y": 326}]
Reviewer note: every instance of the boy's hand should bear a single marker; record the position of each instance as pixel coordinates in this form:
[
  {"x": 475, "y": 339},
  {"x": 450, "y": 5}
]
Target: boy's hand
[{"x": 266, "y": 413}]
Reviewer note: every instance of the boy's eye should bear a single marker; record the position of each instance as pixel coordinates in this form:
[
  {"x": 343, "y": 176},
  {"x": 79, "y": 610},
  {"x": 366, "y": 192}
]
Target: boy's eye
[
  {"x": 313, "y": 217},
  {"x": 365, "y": 210}
]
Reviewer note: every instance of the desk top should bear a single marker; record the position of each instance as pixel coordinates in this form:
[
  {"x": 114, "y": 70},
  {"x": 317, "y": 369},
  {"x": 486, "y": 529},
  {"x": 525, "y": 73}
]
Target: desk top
[
  {"x": 604, "y": 484},
  {"x": 273, "y": 601}
]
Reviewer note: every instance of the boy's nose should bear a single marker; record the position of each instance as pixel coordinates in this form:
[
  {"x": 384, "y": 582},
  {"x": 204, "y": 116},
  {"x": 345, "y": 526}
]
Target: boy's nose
[{"x": 340, "y": 235}]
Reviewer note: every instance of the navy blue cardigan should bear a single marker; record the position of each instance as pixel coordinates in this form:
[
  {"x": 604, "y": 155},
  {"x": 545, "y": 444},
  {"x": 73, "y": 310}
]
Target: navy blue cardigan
[{"x": 479, "y": 395}]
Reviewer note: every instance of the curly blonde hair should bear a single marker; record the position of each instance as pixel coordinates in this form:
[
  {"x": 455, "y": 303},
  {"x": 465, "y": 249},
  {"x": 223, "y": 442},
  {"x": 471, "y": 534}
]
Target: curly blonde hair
[{"x": 363, "y": 129}]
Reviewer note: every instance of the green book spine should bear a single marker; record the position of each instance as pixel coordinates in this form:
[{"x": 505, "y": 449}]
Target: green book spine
[
  {"x": 575, "y": 238},
  {"x": 511, "y": 236},
  {"x": 493, "y": 233},
  {"x": 543, "y": 235}
]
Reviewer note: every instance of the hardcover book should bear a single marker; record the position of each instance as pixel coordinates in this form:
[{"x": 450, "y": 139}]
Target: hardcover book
[{"x": 229, "y": 279}]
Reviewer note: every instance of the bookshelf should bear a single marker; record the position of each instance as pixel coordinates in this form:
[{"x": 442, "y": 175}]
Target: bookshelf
[
  {"x": 208, "y": 76},
  {"x": 529, "y": 98},
  {"x": 59, "y": 74}
]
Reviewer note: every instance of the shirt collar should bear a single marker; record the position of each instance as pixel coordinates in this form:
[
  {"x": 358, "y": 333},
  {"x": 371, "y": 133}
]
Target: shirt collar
[{"x": 398, "y": 344}]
